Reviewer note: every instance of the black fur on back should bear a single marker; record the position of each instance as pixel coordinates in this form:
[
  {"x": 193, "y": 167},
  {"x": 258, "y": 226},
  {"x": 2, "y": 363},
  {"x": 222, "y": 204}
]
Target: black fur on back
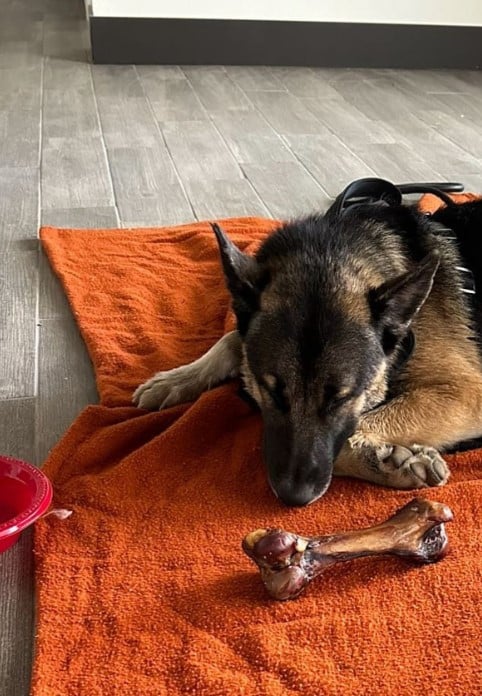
[{"x": 466, "y": 222}]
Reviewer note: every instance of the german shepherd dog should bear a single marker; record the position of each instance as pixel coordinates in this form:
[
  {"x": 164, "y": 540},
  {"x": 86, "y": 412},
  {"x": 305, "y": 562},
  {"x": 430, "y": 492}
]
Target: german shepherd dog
[{"x": 358, "y": 337}]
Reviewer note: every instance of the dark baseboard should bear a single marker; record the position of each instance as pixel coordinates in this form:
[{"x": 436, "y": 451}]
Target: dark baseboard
[{"x": 252, "y": 42}]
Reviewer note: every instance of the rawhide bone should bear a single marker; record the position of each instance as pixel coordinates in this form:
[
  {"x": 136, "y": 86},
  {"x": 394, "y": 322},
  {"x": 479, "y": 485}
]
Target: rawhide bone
[{"x": 288, "y": 561}]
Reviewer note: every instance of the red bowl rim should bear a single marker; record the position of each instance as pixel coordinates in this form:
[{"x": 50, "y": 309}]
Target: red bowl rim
[{"x": 40, "y": 502}]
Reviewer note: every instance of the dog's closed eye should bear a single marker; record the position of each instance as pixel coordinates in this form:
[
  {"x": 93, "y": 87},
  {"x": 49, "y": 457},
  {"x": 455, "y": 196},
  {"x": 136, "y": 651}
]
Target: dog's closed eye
[
  {"x": 276, "y": 390},
  {"x": 334, "y": 398}
]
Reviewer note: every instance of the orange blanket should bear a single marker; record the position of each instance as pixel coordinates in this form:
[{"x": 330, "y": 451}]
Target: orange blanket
[{"x": 144, "y": 589}]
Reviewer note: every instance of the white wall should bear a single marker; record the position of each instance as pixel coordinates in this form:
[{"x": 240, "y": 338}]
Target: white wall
[{"x": 451, "y": 12}]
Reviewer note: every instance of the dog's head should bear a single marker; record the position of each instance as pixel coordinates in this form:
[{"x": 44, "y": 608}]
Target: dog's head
[{"x": 318, "y": 342}]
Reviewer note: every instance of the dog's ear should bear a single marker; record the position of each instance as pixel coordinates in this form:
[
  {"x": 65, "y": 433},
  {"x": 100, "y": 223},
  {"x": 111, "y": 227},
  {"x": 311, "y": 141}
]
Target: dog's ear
[
  {"x": 395, "y": 303},
  {"x": 240, "y": 270},
  {"x": 242, "y": 274}
]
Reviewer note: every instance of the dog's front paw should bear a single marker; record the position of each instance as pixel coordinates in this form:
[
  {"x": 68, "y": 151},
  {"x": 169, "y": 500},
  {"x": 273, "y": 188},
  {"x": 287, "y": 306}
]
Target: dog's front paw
[
  {"x": 411, "y": 467},
  {"x": 168, "y": 389}
]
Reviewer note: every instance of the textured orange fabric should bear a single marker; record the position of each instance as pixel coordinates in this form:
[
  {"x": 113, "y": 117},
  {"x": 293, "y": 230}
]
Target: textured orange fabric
[{"x": 144, "y": 590}]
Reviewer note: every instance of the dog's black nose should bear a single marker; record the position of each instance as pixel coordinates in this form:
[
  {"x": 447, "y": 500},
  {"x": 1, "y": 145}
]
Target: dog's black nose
[
  {"x": 299, "y": 470},
  {"x": 295, "y": 496}
]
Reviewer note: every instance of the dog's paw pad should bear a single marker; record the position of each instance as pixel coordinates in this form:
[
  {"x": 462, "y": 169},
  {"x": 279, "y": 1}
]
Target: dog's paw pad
[{"x": 414, "y": 467}]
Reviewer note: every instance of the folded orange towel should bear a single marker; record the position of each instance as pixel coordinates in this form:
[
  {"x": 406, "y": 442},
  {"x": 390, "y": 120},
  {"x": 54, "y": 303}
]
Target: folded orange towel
[{"x": 144, "y": 590}]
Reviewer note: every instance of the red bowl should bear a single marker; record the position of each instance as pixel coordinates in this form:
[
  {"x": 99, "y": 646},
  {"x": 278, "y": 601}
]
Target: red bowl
[{"x": 25, "y": 494}]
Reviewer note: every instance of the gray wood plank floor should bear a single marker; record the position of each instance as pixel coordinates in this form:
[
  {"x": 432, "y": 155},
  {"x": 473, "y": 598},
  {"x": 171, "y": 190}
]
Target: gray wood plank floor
[{"x": 90, "y": 146}]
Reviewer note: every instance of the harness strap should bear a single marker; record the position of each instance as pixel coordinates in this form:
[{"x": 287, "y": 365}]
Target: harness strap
[{"x": 373, "y": 190}]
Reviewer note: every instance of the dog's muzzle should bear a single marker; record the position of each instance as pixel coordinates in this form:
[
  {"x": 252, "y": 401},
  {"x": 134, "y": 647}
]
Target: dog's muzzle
[
  {"x": 298, "y": 495},
  {"x": 298, "y": 474}
]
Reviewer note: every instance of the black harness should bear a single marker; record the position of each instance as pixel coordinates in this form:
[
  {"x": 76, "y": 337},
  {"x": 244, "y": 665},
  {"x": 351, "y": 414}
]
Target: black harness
[{"x": 371, "y": 190}]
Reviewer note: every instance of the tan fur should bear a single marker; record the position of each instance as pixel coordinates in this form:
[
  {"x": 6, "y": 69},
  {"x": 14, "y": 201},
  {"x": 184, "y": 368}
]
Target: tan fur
[
  {"x": 354, "y": 304},
  {"x": 378, "y": 389},
  {"x": 344, "y": 391},
  {"x": 270, "y": 381},
  {"x": 442, "y": 399},
  {"x": 361, "y": 272},
  {"x": 441, "y": 402},
  {"x": 442, "y": 392},
  {"x": 250, "y": 384}
]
